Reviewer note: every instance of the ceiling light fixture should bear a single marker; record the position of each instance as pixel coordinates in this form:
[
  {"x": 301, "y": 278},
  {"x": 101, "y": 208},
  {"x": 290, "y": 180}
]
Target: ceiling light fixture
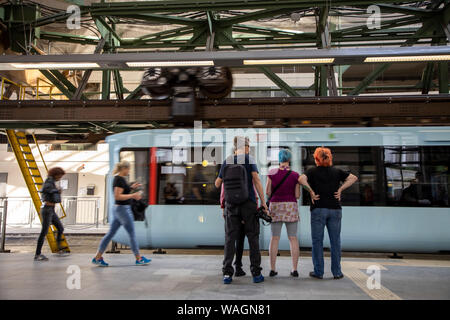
[
  {"x": 61, "y": 65},
  {"x": 408, "y": 58},
  {"x": 170, "y": 63},
  {"x": 289, "y": 61}
]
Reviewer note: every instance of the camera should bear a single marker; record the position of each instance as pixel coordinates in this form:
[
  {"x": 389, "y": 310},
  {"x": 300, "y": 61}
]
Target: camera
[{"x": 261, "y": 213}]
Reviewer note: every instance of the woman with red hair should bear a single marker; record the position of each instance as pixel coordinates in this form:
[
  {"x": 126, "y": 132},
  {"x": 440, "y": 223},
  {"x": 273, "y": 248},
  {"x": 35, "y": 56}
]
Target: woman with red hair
[{"x": 328, "y": 183}]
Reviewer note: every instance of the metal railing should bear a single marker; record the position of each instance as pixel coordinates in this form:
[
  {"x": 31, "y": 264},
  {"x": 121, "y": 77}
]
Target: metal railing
[
  {"x": 80, "y": 211},
  {"x": 42, "y": 88}
]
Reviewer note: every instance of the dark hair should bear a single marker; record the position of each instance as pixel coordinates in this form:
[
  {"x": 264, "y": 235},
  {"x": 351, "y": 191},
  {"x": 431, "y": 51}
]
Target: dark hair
[{"x": 56, "y": 171}]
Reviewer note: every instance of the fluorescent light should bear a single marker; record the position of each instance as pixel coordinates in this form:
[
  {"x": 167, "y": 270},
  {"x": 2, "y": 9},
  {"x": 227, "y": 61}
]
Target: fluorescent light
[
  {"x": 62, "y": 65},
  {"x": 170, "y": 63},
  {"x": 289, "y": 61},
  {"x": 408, "y": 58}
]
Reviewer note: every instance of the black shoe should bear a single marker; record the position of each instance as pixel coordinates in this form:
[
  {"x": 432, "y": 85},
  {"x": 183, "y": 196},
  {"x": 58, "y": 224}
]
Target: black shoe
[
  {"x": 239, "y": 272},
  {"x": 313, "y": 275},
  {"x": 272, "y": 273},
  {"x": 294, "y": 274},
  {"x": 339, "y": 277}
]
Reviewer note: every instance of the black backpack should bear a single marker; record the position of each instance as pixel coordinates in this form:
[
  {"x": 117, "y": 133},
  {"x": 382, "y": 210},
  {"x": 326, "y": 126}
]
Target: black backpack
[{"x": 235, "y": 184}]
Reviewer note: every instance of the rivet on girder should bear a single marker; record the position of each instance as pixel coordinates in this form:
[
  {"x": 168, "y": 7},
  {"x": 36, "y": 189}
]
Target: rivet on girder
[
  {"x": 51, "y": 104},
  {"x": 19, "y": 104},
  {"x": 284, "y": 100},
  {"x": 116, "y": 104},
  {"x": 318, "y": 100},
  {"x": 390, "y": 100},
  {"x": 249, "y": 101},
  {"x": 149, "y": 103},
  {"x": 84, "y": 104},
  {"x": 353, "y": 100}
]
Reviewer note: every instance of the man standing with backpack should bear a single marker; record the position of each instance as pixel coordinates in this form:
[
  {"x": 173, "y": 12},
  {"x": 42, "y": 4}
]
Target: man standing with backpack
[{"x": 239, "y": 174}]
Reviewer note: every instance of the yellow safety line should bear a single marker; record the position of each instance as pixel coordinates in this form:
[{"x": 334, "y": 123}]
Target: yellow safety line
[{"x": 351, "y": 270}]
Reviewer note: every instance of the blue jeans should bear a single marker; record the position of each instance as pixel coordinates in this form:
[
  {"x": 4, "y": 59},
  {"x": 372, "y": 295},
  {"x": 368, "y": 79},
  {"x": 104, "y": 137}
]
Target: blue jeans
[
  {"x": 331, "y": 218},
  {"x": 123, "y": 216}
]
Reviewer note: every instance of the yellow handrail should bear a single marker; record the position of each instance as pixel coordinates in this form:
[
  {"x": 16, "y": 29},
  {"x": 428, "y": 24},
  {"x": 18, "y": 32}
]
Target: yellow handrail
[{"x": 22, "y": 88}]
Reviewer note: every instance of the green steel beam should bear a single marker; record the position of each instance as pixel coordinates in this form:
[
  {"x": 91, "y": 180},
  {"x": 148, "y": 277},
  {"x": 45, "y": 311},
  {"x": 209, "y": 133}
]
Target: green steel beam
[
  {"x": 152, "y": 17},
  {"x": 70, "y": 38},
  {"x": 427, "y": 78},
  {"x": 135, "y": 94},
  {"x": 106, "y": 84},
  {"x": 279, "y": 82},
  {"x": 253, "y": 16},
  {"x": 144, "y": 7},
  {"x": 198, "y": 39},
  {"x": 118, "y": 84},
  {"x": 58, "y": 84},
  {"x": 269, "y": 73},
  {"x": 107, "y": 31},
  {"x": 323, "y": 87},
  {"x": 422, "y": 13},
  {"x": 427, "y": 28}
]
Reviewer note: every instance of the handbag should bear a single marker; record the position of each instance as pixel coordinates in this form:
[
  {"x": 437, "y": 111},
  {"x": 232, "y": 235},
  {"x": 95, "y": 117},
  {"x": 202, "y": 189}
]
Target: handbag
[{"x": 277, "y": 186}]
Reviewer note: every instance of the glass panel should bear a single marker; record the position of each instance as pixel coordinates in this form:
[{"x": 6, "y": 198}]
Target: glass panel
[
  {"x": 182, "y": 180},
  {"x": 139, "y": 167}
]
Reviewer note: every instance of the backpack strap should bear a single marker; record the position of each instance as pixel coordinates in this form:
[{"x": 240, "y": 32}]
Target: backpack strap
[{"x": 278, "y": 186}]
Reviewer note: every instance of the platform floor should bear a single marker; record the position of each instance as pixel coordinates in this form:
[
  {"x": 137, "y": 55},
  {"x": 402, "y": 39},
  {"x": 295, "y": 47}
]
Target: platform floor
[{"x": 199, "y": 277}]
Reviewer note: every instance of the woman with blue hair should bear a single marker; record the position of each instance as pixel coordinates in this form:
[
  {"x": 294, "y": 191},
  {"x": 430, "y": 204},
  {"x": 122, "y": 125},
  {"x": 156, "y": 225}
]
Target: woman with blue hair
[{"x": 283, "y": 190}]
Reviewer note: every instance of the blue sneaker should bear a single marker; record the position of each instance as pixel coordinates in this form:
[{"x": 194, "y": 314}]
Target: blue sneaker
[
  {"x": 227, "y": 279},
  {"x": 143, "y": 261},
  {"x": 258, "y": 279},
  {"x": 100, "y": 263}
]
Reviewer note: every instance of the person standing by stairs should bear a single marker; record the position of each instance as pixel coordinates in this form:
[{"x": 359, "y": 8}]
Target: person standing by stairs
[{"x": 51, "y": 195}]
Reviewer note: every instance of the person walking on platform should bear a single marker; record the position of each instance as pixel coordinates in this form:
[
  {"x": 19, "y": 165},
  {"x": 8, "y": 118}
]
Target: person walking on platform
[
  {"x": 326, "y": 209},
  {"x": 283, "y": 190},
  {"x": 239, "y": 174},
  {"x": 51, "y": 195},
  {"x": 122, "y": 215}
]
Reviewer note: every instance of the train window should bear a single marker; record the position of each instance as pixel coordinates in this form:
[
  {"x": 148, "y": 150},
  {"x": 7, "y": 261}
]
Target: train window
[
  {"x": 182, "y": 180},
  {"x": 139, "y": 167},
  {"x": 392, "y": 176}
]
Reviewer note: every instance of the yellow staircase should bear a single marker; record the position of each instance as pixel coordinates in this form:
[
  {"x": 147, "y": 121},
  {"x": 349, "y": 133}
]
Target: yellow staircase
[{"x": 33, "y": 179}]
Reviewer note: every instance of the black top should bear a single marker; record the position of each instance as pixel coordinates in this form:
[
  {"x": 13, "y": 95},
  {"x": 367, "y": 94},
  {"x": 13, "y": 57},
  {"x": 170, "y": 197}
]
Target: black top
[
  {"x": 122, "y": 183},
  {"x": 49, "y": 191},
  {"x": 325, "y": 181}
]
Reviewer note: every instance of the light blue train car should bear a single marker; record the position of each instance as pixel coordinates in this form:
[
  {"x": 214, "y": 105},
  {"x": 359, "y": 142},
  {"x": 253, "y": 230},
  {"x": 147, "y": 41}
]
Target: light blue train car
[{"x": 400, "y": 203}]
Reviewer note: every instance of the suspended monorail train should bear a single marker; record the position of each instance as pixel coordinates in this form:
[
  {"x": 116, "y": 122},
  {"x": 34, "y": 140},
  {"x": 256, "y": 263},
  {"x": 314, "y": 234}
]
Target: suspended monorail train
[{"x": 401, "y": 202}]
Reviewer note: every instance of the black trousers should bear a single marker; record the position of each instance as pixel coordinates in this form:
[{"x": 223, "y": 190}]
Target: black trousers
[
  {"x": 239, "y": 249},
  {"x": 49, "y": 217},
  {"x": 234, "y": 228}
]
